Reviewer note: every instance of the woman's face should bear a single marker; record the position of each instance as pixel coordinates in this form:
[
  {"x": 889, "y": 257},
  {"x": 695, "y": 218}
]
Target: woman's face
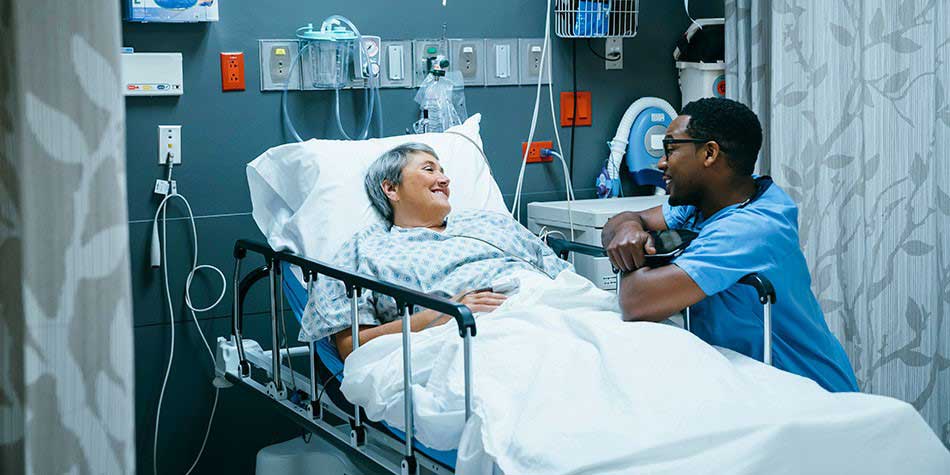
[{"x": 422, "y": 199}]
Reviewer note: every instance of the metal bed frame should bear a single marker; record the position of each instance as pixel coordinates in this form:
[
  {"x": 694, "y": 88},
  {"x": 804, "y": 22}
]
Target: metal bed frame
[{"x": 243, "y": 362}]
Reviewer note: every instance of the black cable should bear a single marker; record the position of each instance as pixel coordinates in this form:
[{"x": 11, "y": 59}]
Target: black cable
[
  {"x": 574, "y": 116},
  {"x": 605, "y": 58},
  {"x": 323, "y": 387}
]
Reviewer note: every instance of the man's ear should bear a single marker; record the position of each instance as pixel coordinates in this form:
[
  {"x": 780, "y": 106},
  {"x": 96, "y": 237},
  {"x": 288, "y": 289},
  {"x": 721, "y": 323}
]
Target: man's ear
[
  {"x": 389, "y": 190},
  {"x": 711, "y": 153}
]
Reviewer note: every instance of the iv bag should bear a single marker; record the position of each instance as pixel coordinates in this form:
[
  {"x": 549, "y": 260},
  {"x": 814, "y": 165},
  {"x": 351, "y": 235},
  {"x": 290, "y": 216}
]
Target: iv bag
[{"x": 441, "y": 103}]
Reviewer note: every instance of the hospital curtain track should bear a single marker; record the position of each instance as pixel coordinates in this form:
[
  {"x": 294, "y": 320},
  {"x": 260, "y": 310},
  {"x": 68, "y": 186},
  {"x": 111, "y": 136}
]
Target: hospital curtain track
[
  {"x": 66, "y": 369},
  {"x": 854, "y": 97}
]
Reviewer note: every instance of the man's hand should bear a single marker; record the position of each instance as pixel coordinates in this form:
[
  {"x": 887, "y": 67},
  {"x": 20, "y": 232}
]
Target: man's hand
[{"x": 628, "y": 245}]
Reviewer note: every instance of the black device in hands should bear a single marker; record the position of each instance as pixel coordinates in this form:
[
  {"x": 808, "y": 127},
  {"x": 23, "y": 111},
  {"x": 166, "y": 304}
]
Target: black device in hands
[{"x": 669, "y": 244}]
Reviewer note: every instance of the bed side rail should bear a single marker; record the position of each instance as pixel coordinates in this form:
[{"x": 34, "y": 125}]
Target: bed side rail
[
  {"x": 404, "y": 296},
  {"x": 762, "y": 285},
  {"x": 406, "y": 300},
  {"x": 563, "y": 248}
]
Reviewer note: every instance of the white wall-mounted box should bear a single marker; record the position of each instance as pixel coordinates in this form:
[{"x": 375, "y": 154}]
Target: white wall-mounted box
[{"x": 152, "y": 74}]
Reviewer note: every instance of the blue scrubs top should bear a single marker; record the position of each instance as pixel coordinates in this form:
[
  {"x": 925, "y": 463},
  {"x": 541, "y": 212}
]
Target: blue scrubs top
[{"x": 761, "y": 237}]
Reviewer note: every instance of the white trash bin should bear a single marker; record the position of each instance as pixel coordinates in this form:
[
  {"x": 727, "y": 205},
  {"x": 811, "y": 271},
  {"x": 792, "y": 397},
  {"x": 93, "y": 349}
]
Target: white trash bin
[
  {"x": 699, "y": 80},
  {"x": 700, "y": 56},
  {"x": 318, "y": 457}
]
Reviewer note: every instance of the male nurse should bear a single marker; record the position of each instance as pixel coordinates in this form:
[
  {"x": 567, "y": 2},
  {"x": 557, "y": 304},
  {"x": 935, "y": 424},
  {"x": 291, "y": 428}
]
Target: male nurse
[{"x": 746, "y": 224}]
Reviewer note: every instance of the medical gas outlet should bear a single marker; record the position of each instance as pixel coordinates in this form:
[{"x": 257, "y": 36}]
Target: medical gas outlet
[
  {"x": 169, "y": 144},
  {"x": 405, "y": 63}
]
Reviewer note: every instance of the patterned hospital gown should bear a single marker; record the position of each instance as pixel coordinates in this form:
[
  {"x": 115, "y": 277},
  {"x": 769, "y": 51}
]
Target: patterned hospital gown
[{"x": 475, "y": 248}]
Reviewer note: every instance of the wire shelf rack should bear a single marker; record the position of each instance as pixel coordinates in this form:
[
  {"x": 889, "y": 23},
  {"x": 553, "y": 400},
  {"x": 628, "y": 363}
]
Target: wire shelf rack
[{"x": 596, "y": 18}]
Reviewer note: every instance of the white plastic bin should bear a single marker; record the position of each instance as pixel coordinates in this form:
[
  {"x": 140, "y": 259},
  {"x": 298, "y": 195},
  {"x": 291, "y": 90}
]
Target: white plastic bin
[
  {"x": 698, "y": 80},
  {"x": 318, "y": 457}
]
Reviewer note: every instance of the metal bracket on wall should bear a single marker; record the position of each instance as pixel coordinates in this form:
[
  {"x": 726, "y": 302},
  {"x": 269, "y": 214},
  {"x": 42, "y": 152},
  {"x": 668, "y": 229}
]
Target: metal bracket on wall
[{"x": 483, "y": 62}]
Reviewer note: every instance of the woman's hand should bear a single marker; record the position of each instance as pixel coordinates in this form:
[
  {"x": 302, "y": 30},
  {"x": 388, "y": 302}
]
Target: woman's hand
[
  {"x": 480, "y": 302},
  {"x": 477, "y": 302}
]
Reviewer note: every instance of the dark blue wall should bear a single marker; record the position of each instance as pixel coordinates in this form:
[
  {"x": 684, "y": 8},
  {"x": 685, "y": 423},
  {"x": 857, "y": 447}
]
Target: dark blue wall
[{"x": 223, "y": 131}]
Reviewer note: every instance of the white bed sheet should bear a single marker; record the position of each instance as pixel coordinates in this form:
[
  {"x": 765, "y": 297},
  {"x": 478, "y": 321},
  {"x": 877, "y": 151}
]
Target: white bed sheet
[{"x": 561, "y": 385}]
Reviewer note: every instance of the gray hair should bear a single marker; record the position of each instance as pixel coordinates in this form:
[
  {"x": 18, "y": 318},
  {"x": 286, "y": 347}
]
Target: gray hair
[{"x": 389, "y": 167}]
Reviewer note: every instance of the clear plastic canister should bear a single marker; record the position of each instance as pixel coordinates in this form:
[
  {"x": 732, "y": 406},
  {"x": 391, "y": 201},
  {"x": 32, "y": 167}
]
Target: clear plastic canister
[{"x": 330, "y": 60}]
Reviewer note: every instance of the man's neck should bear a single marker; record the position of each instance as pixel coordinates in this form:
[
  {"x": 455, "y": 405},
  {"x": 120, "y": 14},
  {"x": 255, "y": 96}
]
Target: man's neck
[{"x": 735, "y": 191}]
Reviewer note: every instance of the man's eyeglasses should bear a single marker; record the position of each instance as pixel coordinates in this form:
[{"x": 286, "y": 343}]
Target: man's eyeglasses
[{"x": 671, "y": 141}]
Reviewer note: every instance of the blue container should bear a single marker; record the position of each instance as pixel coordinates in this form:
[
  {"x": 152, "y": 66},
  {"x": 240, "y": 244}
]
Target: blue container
[
  {"x": 176, "y": 4},
  {"x": 591, "y": 18}
]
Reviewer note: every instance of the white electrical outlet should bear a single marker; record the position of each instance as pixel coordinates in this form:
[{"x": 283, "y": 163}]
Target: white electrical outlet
[
  {"x": 169, "y": 144},
  {"x": 613, "y": 48},
  {"x": 468, "y": 57},
  {"x": 530, "y": 56}
]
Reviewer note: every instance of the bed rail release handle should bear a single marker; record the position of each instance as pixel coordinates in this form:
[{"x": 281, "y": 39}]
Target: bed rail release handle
[
  {"x": 406, "y": 311},
  {"x": 467, "y": 345},
  {"x": 357, "y": 432},
  {"x": 766, "y": 292},
  {"x": 762, "y": 286},
  {"x": 275, "y": 343}
]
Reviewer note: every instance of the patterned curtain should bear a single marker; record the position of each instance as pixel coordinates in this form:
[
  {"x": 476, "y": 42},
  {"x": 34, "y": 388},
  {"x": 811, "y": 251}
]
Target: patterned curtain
[
  {"x": 860, "y": 133},
  {"x": 748, "y": 77},
  {"x": 66, "y": 373}
]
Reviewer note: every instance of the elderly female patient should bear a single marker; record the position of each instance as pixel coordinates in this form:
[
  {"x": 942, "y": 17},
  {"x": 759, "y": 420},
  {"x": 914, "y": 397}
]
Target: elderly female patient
[{"x": 423, "y": 245}]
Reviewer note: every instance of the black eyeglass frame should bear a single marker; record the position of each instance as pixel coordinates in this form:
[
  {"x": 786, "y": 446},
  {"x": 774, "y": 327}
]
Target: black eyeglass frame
[{"x": 670, "y": 141}]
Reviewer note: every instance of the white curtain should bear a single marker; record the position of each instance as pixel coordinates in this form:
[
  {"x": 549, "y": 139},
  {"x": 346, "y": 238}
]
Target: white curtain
[
  {"x": 66, "y": 372},
  {"x": 859, "y": 124}
]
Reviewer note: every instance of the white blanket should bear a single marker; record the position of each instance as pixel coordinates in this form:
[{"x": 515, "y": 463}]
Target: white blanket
[{"x": 562, "y": 385}]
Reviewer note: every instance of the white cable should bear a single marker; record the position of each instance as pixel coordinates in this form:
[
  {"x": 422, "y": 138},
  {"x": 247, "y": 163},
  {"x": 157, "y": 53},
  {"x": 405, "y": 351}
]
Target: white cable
[
  {"x": 516, "y": 205},
  {"x": 570, "y": 196},
  {"x": 171, "y": 354},
  {"x": 557, "y": 135}
]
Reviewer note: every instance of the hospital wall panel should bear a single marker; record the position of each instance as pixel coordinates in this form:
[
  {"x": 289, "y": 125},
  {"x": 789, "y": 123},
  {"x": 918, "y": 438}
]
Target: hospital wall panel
[
  {"x": 216, "y": 235},
  {"x": 222, "y": 131},
  {"x": 242, "y": 425}
]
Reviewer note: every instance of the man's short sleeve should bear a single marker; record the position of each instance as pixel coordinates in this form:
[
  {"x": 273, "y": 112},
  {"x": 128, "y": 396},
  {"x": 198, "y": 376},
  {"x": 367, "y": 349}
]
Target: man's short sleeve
[
  {"x": 676, "y": 216},
  {"x": 724, "y": 252}
]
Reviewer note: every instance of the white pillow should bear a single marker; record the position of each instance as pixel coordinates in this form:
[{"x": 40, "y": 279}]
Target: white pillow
[{"x": 308, "y": 197}]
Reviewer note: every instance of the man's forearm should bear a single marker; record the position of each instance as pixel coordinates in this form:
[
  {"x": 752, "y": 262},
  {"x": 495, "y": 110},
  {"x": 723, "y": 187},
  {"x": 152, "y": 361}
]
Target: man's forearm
[{"x": 655, "y": 294}]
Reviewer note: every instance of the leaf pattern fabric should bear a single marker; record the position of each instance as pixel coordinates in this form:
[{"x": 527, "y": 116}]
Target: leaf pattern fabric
[
  {"x": 853, "y": 96},
  {"x": 66, "y": 372}
]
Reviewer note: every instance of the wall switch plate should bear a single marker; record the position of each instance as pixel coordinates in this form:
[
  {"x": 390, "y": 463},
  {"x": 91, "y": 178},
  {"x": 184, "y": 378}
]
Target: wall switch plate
[
  {"x": 613, "y": 48},
  {"x": 232, "y": 71},
  {"x": 529, "y": 55},
  {"x": 396, "y": 64},
  {"x": 582, "y": 108},
  {"x": 277, "y": 57},
  {"x": 468, "y": 57},
  {"x": 501, "y": 62},
  {"x": 422, "y": 53},
  {"x": 169, "y": 144}
]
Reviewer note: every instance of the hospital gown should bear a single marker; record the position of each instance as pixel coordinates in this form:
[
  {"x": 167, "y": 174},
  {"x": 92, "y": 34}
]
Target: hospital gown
[{"x": 476, "y": 248}]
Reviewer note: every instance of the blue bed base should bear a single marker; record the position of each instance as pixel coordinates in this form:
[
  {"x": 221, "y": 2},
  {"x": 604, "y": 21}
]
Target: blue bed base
[{"x": 296, "y": 296}]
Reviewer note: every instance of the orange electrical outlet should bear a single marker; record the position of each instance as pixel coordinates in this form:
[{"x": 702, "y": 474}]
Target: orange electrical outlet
[
  {"x": 534, "y": 153},
  {"x": 232, "y": 71},
  {"x": 583, "y": 109}
]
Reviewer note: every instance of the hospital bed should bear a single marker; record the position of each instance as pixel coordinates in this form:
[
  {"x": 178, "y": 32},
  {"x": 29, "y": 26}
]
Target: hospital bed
[
  {"x": 300, "y": 394},
  {"x": 312, "y": 398}
]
